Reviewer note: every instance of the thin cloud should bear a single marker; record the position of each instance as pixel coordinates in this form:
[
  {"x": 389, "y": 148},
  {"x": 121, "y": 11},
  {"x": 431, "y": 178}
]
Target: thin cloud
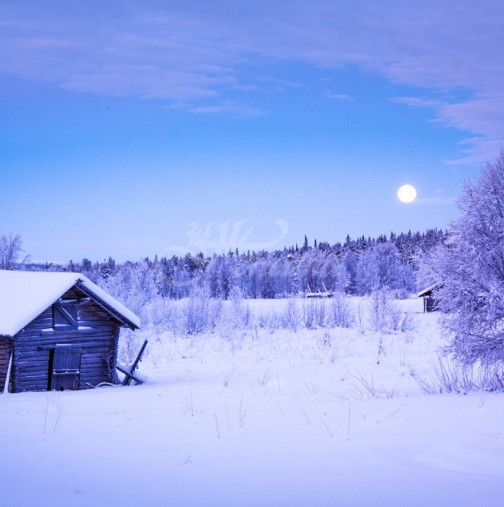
[
  {"x": 235, "y": 109},
  {"x": 417, "y": 102},
  {"x": 436, "y": 200},
  {"x": 477, "y": 151},
  {"x": 483, "y": 116},
  {"x": 338, "y": 96},
  {"x": 271, "y": 83}
]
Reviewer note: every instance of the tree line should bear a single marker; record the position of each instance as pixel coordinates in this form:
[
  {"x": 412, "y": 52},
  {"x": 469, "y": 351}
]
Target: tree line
[{"x": 354, "y": 267}]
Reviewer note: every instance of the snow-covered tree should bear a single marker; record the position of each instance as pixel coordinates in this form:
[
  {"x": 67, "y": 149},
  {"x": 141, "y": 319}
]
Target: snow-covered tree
[
  {"x": 350, "y": 264},
  {"x": 265, "y": 281},
  {"x": 220, "y": 274},
  {"x": 133, "y": 284},
  {"x": 11, "y": 247},
  {"x": 281, "y": 272},
  {"x": 367, "y": 273},
  {"x": 470, "y": 270}
]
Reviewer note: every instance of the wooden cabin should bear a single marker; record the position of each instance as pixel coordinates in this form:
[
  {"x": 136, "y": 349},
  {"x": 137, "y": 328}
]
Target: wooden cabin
[
  {"x": 58, "y": 331},
  {"x": 430, "y": 303}
]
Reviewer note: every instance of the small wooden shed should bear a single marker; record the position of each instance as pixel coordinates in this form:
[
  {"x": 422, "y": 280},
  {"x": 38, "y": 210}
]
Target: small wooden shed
[
  {"x": 430, "y": 302},
  {"x": 58, "y": 331}
]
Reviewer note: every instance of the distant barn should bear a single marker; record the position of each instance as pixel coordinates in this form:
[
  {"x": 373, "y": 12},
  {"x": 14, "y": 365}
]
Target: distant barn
[{"x": 58, "y": 331}]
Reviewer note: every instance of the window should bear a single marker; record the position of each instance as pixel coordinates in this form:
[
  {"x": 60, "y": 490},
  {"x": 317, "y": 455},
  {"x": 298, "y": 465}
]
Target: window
[{"x": 65, "y": 314}]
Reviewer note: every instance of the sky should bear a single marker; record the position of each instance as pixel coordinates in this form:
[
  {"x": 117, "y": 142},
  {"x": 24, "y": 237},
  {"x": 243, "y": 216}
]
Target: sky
[{"x": 141, "y": 128}]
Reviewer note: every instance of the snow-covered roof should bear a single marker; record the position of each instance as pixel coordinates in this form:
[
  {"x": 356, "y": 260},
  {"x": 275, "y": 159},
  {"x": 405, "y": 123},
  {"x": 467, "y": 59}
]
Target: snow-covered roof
[
  {"x": 429, "y": 289},
  {"x": 24, "y": 295}
]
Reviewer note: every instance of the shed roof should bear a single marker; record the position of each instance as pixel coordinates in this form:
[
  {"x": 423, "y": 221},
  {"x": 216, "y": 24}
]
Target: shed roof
[
  {"x": 24, "y": 295},
  {"x": 428, "y": 290}
]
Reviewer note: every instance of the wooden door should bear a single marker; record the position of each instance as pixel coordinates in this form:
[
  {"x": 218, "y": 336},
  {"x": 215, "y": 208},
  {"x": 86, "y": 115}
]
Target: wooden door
[{"x": 65, "y": 368}]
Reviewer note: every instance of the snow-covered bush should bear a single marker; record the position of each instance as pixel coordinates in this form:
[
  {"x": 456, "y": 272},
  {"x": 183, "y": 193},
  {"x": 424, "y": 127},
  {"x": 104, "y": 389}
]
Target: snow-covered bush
[
  {"x": 201, "y": 312},
  {"x": 234, "y": 318},
  {"x": 458, "y": 378},
  {"x": 238, "y": 309},
  {"x": 314, "y": 314},
  {"x": 292, "y": 317},
  {"x": 384, "y": 315},
  {"x": 340, "y": 312}
]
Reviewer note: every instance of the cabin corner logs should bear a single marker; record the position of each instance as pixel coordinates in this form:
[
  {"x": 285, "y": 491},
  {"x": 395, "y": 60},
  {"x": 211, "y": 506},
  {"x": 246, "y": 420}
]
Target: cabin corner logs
[{"x": 72, "y": 345}]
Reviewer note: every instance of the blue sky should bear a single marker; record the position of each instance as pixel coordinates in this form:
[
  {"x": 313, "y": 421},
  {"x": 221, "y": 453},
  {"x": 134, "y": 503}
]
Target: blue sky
[{"x": 131, "y": 129}]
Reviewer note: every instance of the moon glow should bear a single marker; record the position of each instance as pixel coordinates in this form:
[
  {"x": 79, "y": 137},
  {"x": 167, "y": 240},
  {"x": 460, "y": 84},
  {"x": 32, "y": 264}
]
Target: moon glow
[{"x": 407, "y": 193}]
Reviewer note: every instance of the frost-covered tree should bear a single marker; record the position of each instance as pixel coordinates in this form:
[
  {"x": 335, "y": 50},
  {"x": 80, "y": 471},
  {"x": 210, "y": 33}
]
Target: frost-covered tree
[
  {"x": 265, "y": 283},
  {"x": 381, "y": 268},
  {"x": 349, "y": 266},
  {"x": 220, "y": 274},
  {"x": 471, "y": 271},
  {"x": 11, "y": 247},
  {"x": 133, "y": 284},
  {"x": 367, "y": 275},
  {"x": 281, "y": 272},
  {"x": 309, "y": 271}
]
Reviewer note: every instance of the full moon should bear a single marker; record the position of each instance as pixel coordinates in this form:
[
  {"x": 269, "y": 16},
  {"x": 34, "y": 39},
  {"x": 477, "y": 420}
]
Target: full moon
[{"x": 406, "y": 193}]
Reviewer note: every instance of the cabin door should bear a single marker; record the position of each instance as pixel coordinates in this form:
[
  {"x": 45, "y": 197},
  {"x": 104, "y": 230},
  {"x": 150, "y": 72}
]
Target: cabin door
[{"x": 65, "y": 371}]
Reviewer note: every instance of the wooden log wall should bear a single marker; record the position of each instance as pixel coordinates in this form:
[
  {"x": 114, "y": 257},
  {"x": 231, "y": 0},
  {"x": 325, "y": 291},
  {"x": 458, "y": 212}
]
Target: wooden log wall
[
  {"x": 5, "y": 350},
  {"x": 430, "y": 304},
  {"x": 96, "y": 337}
]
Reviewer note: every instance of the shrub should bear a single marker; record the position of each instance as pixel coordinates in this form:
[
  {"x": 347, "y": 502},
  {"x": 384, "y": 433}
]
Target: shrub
[{"x": 341, "y": 313}]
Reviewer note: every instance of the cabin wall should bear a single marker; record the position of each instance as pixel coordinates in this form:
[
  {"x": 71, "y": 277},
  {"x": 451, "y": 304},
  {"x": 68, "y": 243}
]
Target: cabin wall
[
  {"x": 430, "y": 304},
  {"x": 96, "y": 338},
  {"x": 5, "y": 351}
]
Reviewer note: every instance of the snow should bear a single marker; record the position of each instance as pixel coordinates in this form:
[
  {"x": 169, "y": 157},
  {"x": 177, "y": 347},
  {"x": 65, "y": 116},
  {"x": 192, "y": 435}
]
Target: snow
[
  {"x": 428, "y": 289},
  {"x": 24, "y": 295},
  {"x": 110, "y": 301},
  {"x": 266, "y": 417}
]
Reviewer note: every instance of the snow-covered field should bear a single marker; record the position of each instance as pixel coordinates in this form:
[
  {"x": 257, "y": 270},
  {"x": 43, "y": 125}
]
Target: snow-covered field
[{"x": 262, "y": 417}]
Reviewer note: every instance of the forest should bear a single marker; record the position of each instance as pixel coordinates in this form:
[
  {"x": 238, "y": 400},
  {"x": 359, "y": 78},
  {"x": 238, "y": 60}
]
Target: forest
[{"x": 354, "y": 267}]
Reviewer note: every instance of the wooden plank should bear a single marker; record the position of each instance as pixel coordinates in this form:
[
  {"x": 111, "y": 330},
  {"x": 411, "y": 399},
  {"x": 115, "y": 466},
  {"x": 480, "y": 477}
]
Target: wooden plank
[
  {"x": 129, "y": 375},
  {"x": 129, "y": 372}
]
